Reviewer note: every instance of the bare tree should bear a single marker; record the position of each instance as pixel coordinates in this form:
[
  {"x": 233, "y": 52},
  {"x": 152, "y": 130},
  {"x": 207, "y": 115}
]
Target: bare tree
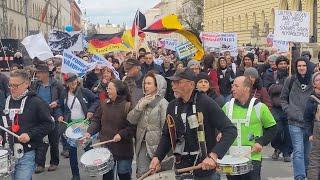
[{"x": 191, "y": 15}]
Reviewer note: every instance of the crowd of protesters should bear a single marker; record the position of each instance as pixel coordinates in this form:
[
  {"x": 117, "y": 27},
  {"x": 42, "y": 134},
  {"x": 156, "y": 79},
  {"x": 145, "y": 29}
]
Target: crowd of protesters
[{"x": 136, "y": 104}]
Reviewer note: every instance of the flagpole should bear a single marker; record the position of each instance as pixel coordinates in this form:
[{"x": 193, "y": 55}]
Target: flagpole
[{"x": 136, "y": 33}]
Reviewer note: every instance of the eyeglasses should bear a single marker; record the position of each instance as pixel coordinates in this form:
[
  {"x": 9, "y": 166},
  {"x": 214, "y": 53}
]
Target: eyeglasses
[{"x": 15, "y": 86}]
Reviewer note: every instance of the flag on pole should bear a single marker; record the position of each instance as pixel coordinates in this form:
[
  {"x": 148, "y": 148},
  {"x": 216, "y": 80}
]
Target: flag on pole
[
  {"x": 169, "y": 24},
  {"x": 139, "y": 23}
]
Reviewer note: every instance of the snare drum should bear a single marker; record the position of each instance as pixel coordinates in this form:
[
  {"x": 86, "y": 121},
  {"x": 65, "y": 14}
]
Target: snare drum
[
  {"x": 6, "y": 163},
  {"x": 75, "y": 132},
  {"x": 97, "y": 161},
  {"x": 170, "y": 175},
  {"x": 231, "y": 165}
]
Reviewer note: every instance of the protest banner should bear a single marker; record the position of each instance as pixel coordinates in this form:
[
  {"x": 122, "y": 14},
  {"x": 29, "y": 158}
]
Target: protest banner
[
  {"x": 185, "y": 49},
  {"x": 219, "y": 40},
  {"x": 292, "y": 26},
  {"x": 59, "y": 40},
  {"x": 102, "y": 62},
  {"x": 169, "y": 43},
  {"x": 74, "y": 64}
]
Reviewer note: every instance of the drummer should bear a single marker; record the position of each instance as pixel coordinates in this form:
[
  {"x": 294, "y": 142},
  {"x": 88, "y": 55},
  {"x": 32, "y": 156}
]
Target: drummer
[
  {"x": 184, "y": 115},
  {"x": 110, "y": 120},
  {"x": 255, "y": 129},
  {"x": 29, "y": 117},
  {"x": 79, "y": 103}
]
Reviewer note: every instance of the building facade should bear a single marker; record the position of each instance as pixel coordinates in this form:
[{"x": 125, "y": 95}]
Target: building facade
[
  {"x": 13, "y": 19},
  {"x": 253, "y": 20},
  {"x": 108, "y": 28}
]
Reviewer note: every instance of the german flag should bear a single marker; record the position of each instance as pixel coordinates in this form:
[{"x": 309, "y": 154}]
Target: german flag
[
  {"x": 105, "y": 43},
  {"x": 139, "y": 23},
  {"x": 169, "y": 24}
]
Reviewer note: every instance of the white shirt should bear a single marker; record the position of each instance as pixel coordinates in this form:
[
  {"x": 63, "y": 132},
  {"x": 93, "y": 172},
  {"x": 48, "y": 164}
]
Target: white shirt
[{"x": 76, "y": 111}]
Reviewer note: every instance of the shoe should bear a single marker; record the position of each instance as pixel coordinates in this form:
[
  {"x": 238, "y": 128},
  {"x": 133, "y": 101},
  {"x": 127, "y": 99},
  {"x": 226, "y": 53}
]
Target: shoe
[
  {"x": 75, "y": 178},
  {"x": 39, "y": 169},
  {"x": 287, "y": 159},
  {"x": 52, "y": 167},
  {"x": 275, "y": 154}
]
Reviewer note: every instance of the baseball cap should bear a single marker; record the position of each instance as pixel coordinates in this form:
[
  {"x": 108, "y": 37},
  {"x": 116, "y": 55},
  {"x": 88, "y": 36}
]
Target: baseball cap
[{"x": 185, "y": 73}]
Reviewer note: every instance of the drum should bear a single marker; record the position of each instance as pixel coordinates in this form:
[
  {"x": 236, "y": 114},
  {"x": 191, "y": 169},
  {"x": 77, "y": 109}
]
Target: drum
[
  {"x": 231, "y": 165},
  {"x": 97, "y": 161},
  {"x": 6, "y": 163},
  {"x": 170, "y": 175},
  {"x": 75, "y": 132}
]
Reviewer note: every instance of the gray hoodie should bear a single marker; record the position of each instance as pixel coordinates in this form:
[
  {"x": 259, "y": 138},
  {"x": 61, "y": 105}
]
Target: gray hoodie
[{"x": 294, "y": 102}]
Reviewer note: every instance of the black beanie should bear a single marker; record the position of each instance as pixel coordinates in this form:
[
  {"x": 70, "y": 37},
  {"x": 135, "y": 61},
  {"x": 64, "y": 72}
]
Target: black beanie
[
  {"x": 282, "y": 58},
  {"x": 203, "y": 75}
]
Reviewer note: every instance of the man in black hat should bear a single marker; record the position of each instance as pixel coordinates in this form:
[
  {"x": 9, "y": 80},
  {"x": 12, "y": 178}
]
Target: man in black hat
[
  {"x": 50, "y": 91},
  {"x": 190, "y": 129},
  {"x": 134, "y": 79}
]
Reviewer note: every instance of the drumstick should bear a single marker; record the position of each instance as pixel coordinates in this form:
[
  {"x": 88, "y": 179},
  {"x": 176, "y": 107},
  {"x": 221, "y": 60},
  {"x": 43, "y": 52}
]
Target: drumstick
[
  {"x": 64, "y": 122},
  {"x": 145, "y": 175},
  {"x": 101, "y": 143},
  {"x": 246, "y": 154},
  {"x": 10, "y": 132},
  {"x": 188, "y": 169}
]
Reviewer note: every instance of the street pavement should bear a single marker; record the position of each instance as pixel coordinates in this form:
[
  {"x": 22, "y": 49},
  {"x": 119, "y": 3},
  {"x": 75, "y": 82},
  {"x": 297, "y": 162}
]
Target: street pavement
[{"x": 271, "y": 170}]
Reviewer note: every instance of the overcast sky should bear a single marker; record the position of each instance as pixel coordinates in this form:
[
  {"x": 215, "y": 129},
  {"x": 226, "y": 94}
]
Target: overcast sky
[{"x": 117, "y": 11}]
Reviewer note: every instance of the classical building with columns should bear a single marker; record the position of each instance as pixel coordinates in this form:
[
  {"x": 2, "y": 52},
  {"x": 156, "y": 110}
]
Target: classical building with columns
[{"x": 253, "y": 20}]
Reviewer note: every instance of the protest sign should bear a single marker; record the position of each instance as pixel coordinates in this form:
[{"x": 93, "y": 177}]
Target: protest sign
[
  {"x": 74, "y": 64},
  {"x": 169, "y": 43},
  {"x": 218, "y": 40},
  {"x": 185, "y": 49},
  {"x": 37, "y": 46},
  {"x": 282, "y": 46},
  {"x": 102, "y": 62},
  {"x": 292, "y": 26}
]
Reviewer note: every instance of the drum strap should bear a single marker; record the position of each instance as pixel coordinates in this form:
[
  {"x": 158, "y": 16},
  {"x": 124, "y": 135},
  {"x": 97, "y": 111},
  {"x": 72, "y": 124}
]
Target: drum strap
[
  {"x": 172, "y": 131},
  {"x": 240, "y": 121}
]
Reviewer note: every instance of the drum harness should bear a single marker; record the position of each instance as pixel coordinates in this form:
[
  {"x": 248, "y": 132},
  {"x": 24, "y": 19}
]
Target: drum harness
[
  {"x": 178, "y": 149},
  {"x": 13, "y": 115},
  {"x": 245, "y": 121}
]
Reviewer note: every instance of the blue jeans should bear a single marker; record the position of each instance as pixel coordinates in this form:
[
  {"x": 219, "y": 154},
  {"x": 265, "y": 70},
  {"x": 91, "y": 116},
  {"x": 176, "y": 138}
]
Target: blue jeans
[
  {"x": 25, "y": 166},
  {"x": 124, "y": 170},
  {"x": 74, "y": 159},
  {"x": 301, "y": 150}
]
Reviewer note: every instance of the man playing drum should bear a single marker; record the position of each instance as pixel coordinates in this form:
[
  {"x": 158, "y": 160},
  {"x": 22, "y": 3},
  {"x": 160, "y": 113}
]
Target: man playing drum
[
  {"x": 255, "y": 124},
  {"x": 28, "y": 116},
  {"x": 190, "y": 129}
]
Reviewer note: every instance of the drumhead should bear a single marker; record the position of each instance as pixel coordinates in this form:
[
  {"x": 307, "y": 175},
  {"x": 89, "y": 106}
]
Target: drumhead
[
  {"x": 76, "y": 131},
  {"x": 95, "y": 157},
  {"x": 228, "y": 159},
  {"x": 3, "y": 152},
  {"x": 165, "y": 175}
]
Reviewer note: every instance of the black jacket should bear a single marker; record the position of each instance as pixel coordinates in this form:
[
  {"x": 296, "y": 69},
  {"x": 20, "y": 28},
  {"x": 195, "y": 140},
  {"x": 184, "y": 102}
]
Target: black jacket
[
  {"x": 4, "y": 81},
  {"x": 214, "y": 118},
  {"x": 88, "y": 100},
  {"x": 90, "y": 79},
  {"x": 35, "y": 120},
  {"x": 56, "y": 90},
  {"x": 145, "y": 68},
  {"x": 225, "y": 81}
]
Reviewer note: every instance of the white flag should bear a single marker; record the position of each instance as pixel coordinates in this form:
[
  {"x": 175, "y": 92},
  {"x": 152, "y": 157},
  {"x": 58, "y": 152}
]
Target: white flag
[{"x": 37, "y": 46}]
